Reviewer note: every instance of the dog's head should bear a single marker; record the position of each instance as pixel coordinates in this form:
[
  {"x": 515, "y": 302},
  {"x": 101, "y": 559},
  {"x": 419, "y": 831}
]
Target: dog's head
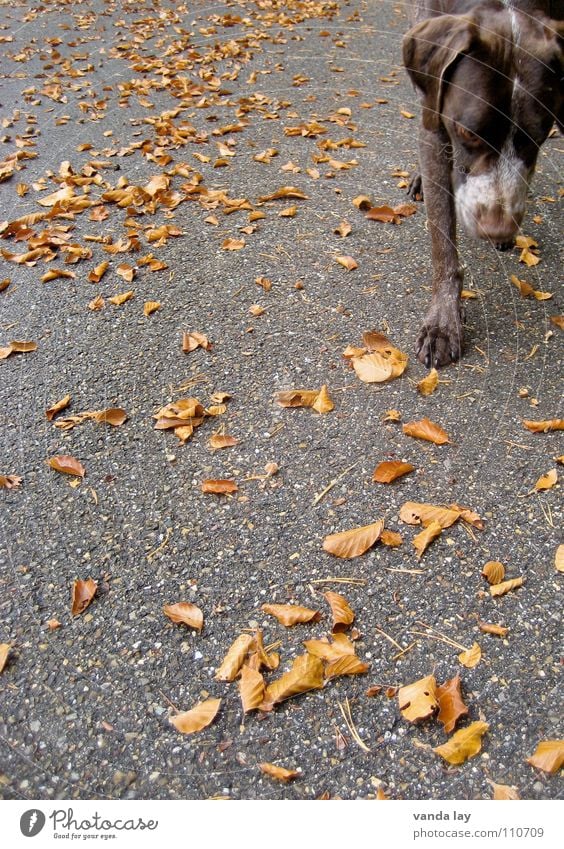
[{"x": 492, "y": 82}]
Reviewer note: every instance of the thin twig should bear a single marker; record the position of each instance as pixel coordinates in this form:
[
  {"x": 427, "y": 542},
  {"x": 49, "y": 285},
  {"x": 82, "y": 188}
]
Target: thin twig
[
  {"x": 407, "y": 571},
  {"x": 441, "y": 639},
  {"x": 404, "y": 651},
  {"x": 160, "y": 547},
  {"x": 346, "y": 711},
  {"x": 330, "y": 485},
  {"x": 387, "y": 636},
  {"x": 360, "y": 582}
]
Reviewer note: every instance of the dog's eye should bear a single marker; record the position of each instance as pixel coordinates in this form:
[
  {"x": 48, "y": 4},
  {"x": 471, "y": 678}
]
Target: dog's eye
[{"x": 467, "y": 136}]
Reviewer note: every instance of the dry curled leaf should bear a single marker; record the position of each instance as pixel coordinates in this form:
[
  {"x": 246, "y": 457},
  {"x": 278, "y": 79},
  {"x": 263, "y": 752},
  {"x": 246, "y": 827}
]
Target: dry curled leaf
[
  {"x": 471, "y": 657},
  {"x": 559, "y": 558},
  {"x": 428, "y": 384},
  {"x": 415, "y": 513},
  {"x": 346, "y": 665},
  {"x": 57, "y": 407},
  {"x": 451, "y": 704},
  {"x": 222, "y": 440},
  {"x": 418, "y": 701},
  {"x": 496, "y": 630},
  {"x": 15, "y": 347},
  {"x": 291, "y": 614},
  {"x": 391, "y": 538},
  {"x": 234, "y": 659},
  {"x": 10, "y": 481},
  {"x": 323, "y": 403},
  {"x": 493, "y": 572},
  {"x": 119, "y": 300},
  {"x": 343, "y": 615},
  {"x": 427, "y": 430},
  {"x": 547, "y": 481},
  {"x": 340, "y": 647},
  {"x": 67, "y": 465},
  {"x": 82, "y": 594},
  {"x": 424, "y": 539},
  {"x": 355, "y": 542},
  {"x": 544, "y": 426},
  {"x": 318, "y": 399},
  {"x": 279, "y": 772},
  {"x": 193, "y": 340},
  {"x": 251, "y": 688},
  {"x": 463, "y": 744},
  {"x": 548, "y": 756},
  {"x": 505, "y": 587},
  {"x": 306, "y": 674},
  {"x": 185, "y": 613},
  {"x": 347, "y": 262},
  {"x": 4, "y": 652},
  {"x": 504, "y": 792},
  {"x": 219, "y": 487},
  {"x": 197, "y": 718},
  {"x": 389, "y": 471},
  {"x": 149, "y": 307}
]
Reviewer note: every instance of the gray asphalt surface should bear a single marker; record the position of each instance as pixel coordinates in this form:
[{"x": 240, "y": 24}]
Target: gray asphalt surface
[{"x": 84, "y": 709}]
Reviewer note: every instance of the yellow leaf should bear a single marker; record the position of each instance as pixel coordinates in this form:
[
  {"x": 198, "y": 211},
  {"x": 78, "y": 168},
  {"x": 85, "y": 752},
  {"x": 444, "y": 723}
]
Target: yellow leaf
[
  {"x": 149, "y": 307},
  {"x": 355, "y": 542},
  {"x": 323, "y": 402},
  {"x": 197, "y": 718},
  {"x": 347, "y": 262},
  {"x": 279, "y": 772},
  {"x": 496, "y": 630},
  {"x": 464, "y": 744},
  {"x": 548, "y": 756},
  {"x": 493, "y": 572},
  {"x": 428, "y": 385},
  {"x": 559, "y": 558},
  {"x": 251, "y": 688},
  {"x": 306, "y": 674},
  {"x": 324, "y": 650},
  {"x": 415, "y": 513},
  {"x": 57, "y": 407},
  {"x": 291, "y": 614},
  {"x": 389, "y": 471},
  {"x": 343, "y": 615},
  {"x": 118, "y": 300},
  {"x": 547, "y": 481},
  {"x": 4, "y": 652},
  {"x": 544, "y": 426},
  {"x": 506, "y": 586},
  {"x": 427, "y": 430},
  {"x": 426, "y": 537},
  {"x": 418, "y": 700},
  {"x": 372, "y": 368},
  {"x": 471, "y": 657},
  {"x": 234, "y": 659},
  {"x": 222, "y": 440},
  {"x": 347, "y": 665}
]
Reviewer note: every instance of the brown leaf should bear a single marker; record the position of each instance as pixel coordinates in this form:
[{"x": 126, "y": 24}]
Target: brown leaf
[
  {"x": 557, "y": 320},
  {"x": 559, "y": 558},
  {"x": 15, "y": 347},
  {"x": 55, "y": 273},
  {"x": 196, "y": 719},
  {"x": 544, "y": 426},
  {"x": 284, "y": 192},
  {"x": 427, "y": 430},
  {"x": 82, "y": 594},
  {"x": 222, "y": 440},
  {"x": 149, "y": 307},
  {"x": 233, "y": 244},
  {"x": 471, "y": 657},
  {"x": 279, "y": 772},
  {"x": 418, "y": 701},
  {"x": 463, "y": 744},
  {"x": 389, "y": 471},
  {"x": 251, "y": 688},
  {"x": 10, "y": 481},
  {"x": 415, "y": 513},
  {"x": 324, "y": 650},
  {"x": 346, "y": 665},
  {"x": 548, "y": 756},
  {"x": 506, "y": 586},
  {"x": 355, "y": 542},
  {"x": 193, "y": 340},
  {"x": 451, "y": 705},
  {"x": 390, "y": 538},
  {"x": 306, "y": 674},
  {"x": 428, "y": 384},
  {"x": 67, "y": 465},
  {"x": 118, "y": 300},
  {"x": 496, "y": 630},
  {"x": 114, "y": 416},
  {"x": 424, "y": 539},
  {"x": 347, "y": 262},
  {"x": 343, "y": 229},
  {"x": 504, "y": 792},
  {"x": 291, "y": 614},
  {"x": 185, "y": 613},
  {"x": 127, "y": 272},
  {"x": 57, "y": 407},
  {"x": 547, "y": 481},
  {"x": 493, "y": 572},
  {"x": 373, "y": 368},
  {"x": 343, "y": 615},
  {"x": 323, "y": 403},
  {"x": 4, "y": 652},
  {"x": 234, "y": 659},
  {"x": 219, "y": 487}
]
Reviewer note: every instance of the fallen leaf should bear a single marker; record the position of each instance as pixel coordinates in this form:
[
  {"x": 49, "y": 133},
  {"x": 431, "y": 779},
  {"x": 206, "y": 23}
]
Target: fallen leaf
[
  {"x": 222, "y": 440},
  {"x": 114, "y": 416},
  {"x": 547, "y": 481},
  {"x": 284, "y": 192},
  {"x": 493, "y": 572},
  {"x": 67, "y": 465},
  {"x": 559, "y": 558},
  {"x": 82, "y": 594},
  {"x": 119, "y": 300},
  {"x": 471, "y": 657},
  {"x": 197, "y": 718},
  {"x": 418, "y": 701},
  {"x": 343, "y": 615},
  {"x": 149, "y": 307},
  {"x": 429, "y": 383},
  {"x": 233, "y": 244},
  {"x": 256, "y": 310},
  {"x": 10, "y": 481},
  {"x": 279, "y": 772},
  {"x": 505, "y": 587},
  {"x": 424, "y": 539},
  {"x": 557, "y": 320},
  {"x": 389, "y": 471},
  {"x": 347, "y": 262},
  {"x": 234, "y": 659},
  {"x": 251, "y": 688},
  {"x": 219, "y": 487},
  {"x": 346, "y": 665},
  {"x": 451, "y": 704},
  {"x": 53, "y": 624},
  {"x": 372, "y": 368},
  {"x": 463, "y": 744},
  {"x": 391, "y": 538},
  {"x": 343, "y": 229},
  {"x": 4, "y": 652},
  {"x": 185, "y": 613},
  {"x": 355, "y": 542},
  {"x": 323, "y": 403},
  {"x": 544, "y": 426},
  {"x": 291, "y": 614},
  {"x": 427, "y": 430},
  {"x": 548, "y": 756},
  {"x": 16, "y": 347},
  {"x": 193, "y": 340},
  {"x": 496, "y": 630},
  {"x": 57, "y": 407},
  {"x": 55, "y": 273},
  {"x": 503, "y": 792},
  {"x": 306, "y": 674},
  {"x": 340, "y": 647},
  {"x": 415, "y": 513}
]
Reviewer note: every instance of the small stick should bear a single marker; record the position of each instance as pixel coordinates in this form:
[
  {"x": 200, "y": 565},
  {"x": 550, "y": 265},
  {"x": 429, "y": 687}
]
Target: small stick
[
  {"x": 360, "y": 582},
  {"x": 407, "y": 571},
  {"x": 440, "y": 639},
  {"x": 346, "y": 711},
  {"x": 330, "y": 485},
  {"x": 160, "y": 547},
  {"x": 387, "y": 636},
  {"x": 404, "y": 651}
]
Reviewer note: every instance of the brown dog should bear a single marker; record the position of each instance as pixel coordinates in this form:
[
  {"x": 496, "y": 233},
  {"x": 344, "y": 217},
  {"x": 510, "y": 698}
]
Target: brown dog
[{"x": 490, "y": 74}]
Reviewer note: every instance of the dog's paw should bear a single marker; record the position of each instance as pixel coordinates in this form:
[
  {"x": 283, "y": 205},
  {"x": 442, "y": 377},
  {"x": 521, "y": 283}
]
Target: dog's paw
[
  {"x": 415, "y": 188},
  {"x": 441, "y": 337}
]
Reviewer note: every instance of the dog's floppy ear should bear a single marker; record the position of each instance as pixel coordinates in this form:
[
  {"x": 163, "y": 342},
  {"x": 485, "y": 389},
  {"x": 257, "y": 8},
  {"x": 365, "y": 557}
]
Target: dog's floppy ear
[{"x": 430, "y": 50}]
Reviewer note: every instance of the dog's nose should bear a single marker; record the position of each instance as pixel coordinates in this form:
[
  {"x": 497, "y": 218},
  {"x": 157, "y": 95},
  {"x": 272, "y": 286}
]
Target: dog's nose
[{"x": 497, "y": 225}]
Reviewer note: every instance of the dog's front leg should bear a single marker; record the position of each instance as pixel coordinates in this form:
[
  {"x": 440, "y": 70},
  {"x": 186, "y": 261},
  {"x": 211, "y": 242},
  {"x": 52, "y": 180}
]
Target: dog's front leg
[{"x": 440, "y": 338}]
